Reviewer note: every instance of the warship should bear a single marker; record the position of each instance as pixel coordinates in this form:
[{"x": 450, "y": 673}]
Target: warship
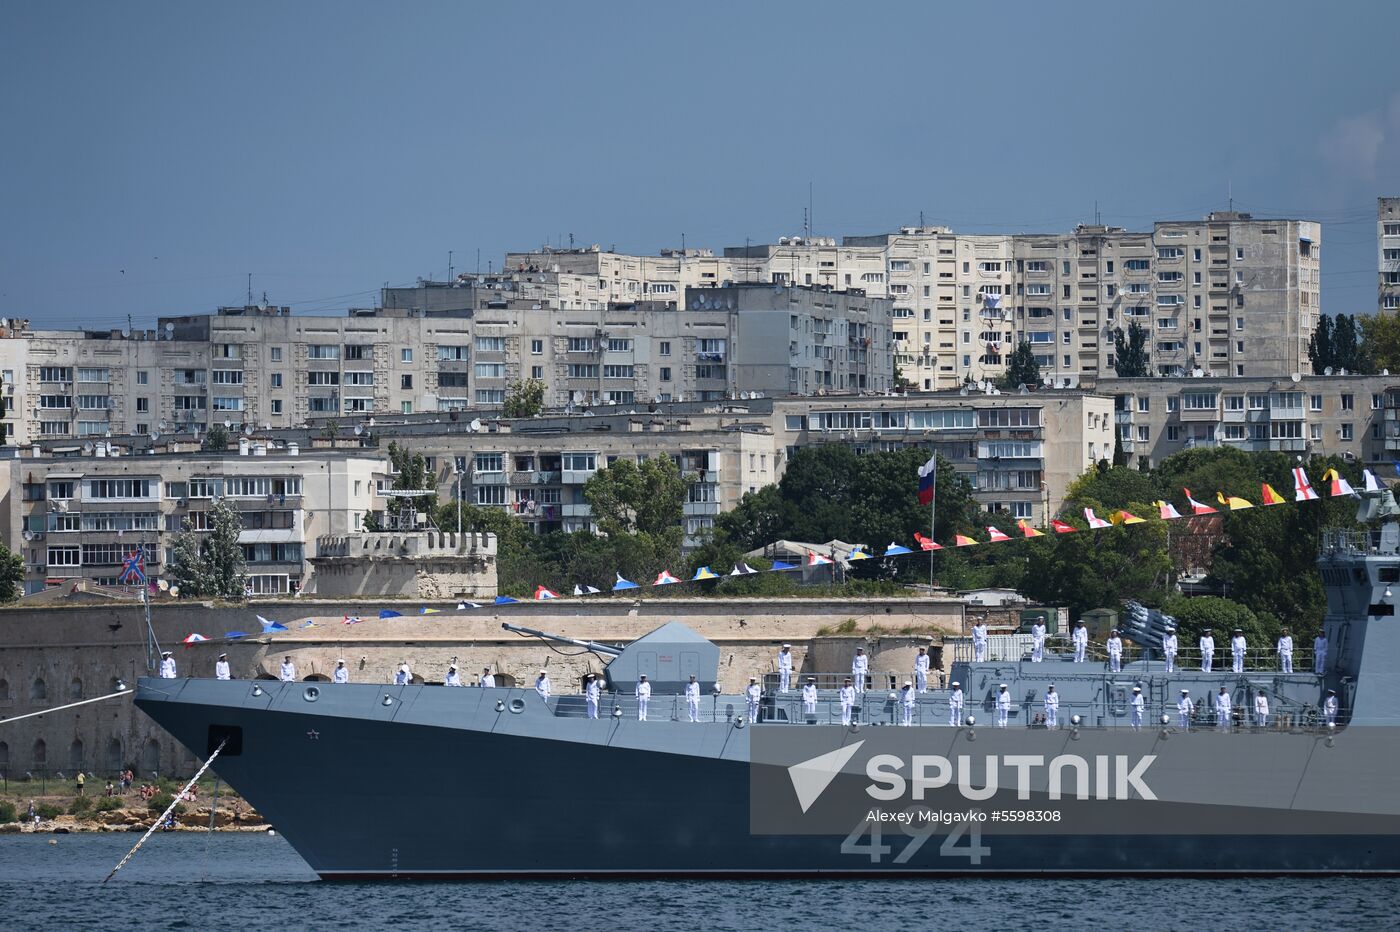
[{"x": 506, "y": 783}]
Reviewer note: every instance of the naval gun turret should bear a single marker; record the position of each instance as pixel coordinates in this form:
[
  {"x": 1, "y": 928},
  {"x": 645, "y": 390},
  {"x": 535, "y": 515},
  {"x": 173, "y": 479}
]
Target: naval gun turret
[{"x": 667, "y": 655}]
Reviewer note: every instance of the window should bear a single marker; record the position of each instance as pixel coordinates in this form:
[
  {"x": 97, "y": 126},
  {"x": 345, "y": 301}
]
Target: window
[
  {"x": 1314, "y": 402},
  {"x": 537, "y": 372},
  {"x": 1144, "y": 404},
  {"x": 55, "y": 374},
  {"x": 1173, "y": 402},
  {"x": 276, "y": 380},
  {"x": 490, "y": 396},
  {"x": 490, "y": 370},
  {"x": 1239, "y": 253},
  {"x": 490, "y": 344},
  {"x": 1239, "y": 323},
  {"x": 1347, "y": 432},
  {"x": 665, "y": 348},
  {"x": 1173, "y": 432},
  {"x": 460, "y": 353},
  {"x": 1377, "y": 401},
  {"x": 317, "y": 377},
  {"x": 142, "y": 377},
  {"x": 227, "y": 403},
  {"x": 582, "y": 370},
  {"x": 490, "y": 495},
  {"x": 277, "y": 406},
  {"x": 143, "y": 405},
  {"x": 585, "y": 345},
  {"x": 619, "y": 398},
  {"x": 65, "y": 556},
  {"x": 1170, "y": 252},
  {"x": 620, "y": 346},
  {"x": 118, "y": 488},
  {"x": 536, "y": 347},
  {"x": 93, "y": 402},
  {"x": 619, "y": 372},
  {"x": 489, "y": 462},
  {"x": 359, "y": 378},
  {"x": 323, "y": 351},
  {"x": 406, "y": 407},
  {"x": 1234, "y": 402},
  {"x": 1143, "y": 433},
  {"x": 665, "y": 373},
  {"x": 1258, "y": 401},
  {"x": 1348, "y": 402},
  {"x": 276, "y": 354},
  {"x": 406, "y": 381},
  {"x": 580, "y": 462},
  {"x": 228, "y": 377},
  {"x": 55, "y": 401},
  {"x": 1198, "y": 401},
  {"x": 359, "y": 352},
  {"x": 1234, "y": 431}
]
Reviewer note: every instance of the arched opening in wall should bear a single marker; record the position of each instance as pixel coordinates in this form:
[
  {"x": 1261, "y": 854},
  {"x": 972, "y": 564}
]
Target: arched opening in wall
[
  {"x": 416, "y": 680},
  {"x": 316, "y": 678},
  {"x": 41, "y": 753},
  {"x": 264, "y": 676},
  {"x": 4, "y": 690},
  {"x": 38, "y": 690},
  {"x": 75, "y": 755},
  {"x": 75, "y": 689},
  {"x": 150, "y": 757},
  {"x": 115, "y": 762},
  {"x": 505, "y": 679},
  {"x": 4, "y": 759}
]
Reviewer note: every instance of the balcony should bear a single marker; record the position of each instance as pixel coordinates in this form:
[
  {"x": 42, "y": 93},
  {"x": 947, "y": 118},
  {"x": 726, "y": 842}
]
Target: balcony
[
  {"x": 1289, "y": 445},
  {"x": 1201, "y": 415},
  {"x": 488, "y": 478},
  {"x": 580, "y": 510},
  {"x": 576, "y": 477}
]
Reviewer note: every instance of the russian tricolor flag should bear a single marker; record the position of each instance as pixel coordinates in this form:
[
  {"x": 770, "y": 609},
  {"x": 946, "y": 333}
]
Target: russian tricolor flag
[{"x": 927, "y": 474}]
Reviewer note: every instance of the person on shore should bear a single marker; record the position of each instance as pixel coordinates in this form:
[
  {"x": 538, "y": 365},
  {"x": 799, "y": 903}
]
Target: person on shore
[
  {"x": 1185, "y": 708},
  {"x": 784, "y": 668},
  {"x": 752, "y": 694},
  {"x": 340, "y": 674},
  {"x": 1037, "y": 641},
  {"x": 847, "y": 695},
  {"x": 955, "y": 704},
  {"x": 921, "y": 664},
  {"x": 1052, "y": 707},
  {"x": 453, "y": 678},
  {"x": 488, "y": 681},
  {"x": 32, "y": 816},
  {"x": 809, "y": 696},
  {"x": 82, "y": 783},
  {"x": 692, "y": 699},
  {"x": 591, "y": 692},
  {"x": 1003, "y": 706},
  {"x": 1238, "y": 648},
  {"x": 1222, "y": 709},
  {"x": 1136, "y": 705},
  {"x": 167, "y": 665},
  {"x": 1329, "y": 707},
  {"x": 1285, "y": 651},
  {"x": 1115, "y": 651},
  {"x": 288, "y": 671},
  {"x": 643, "y": 697},
  {"x": 111, "y": 790},
  {"x": 1079, "y": 637},
  {"x": 1169, "y": 649},
  {"x": 1320, "y": 653},
  {"x": 907, "y": 698},
  {"x": 1207, "y": 645},
  {"x": 221, "y": 669},
  {"x": 403, "y": 675},
  {"x": 979, "y": 641},
  {"x": 1261, "y": 709},
  {"x": 542, "y": 684},
  {"x": 860, "y": 666}
]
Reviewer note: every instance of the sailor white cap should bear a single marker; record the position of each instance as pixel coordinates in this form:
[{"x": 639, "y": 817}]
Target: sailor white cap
[
  {"x": 1186, "y": 692},
  {"x": 543, "y": 672},
  {"x": 1137, "y": 689},
  {"x": 222, "y": 656},
  {"x": 642, "y": 676},
  {"x": 752, "y": 679},
  {"x": 811, "y": 679},
  {"x": 340, "y": 660},
  {"x": 787, "y": 645},
  {"x": 165, "y": 653},
  {"x": 1051, "y": 686},
  {"x": 908, "y": 683},
  {"x": 451, "y": 666},
  {"x": 1002, "y": 686},
  {"x": 956, "y": 684}
]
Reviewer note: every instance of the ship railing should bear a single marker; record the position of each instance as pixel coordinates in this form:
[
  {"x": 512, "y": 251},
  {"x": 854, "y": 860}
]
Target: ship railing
[
  {"x": 1336, "y": 540},
  {"x": 1188, "y": 658}
]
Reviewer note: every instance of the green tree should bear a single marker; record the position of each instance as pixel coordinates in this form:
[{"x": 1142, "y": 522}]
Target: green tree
[
  {"x": 1108, "y": 488},
  {"x": 901, "y": 382},
  {"x": 215, "y": 438},
  {"x": 210, "y": 564},
  {"x": 11, "y": 574},
  {"x": 1021, "y": 368},
  {"x": 1222, "y": 616},
  {"x": 646, "y": 497},
  {"x": 524, "y": 398},
  {"x": 411, "y": 474},
  {"x": 1320, "y": 352},
  {"x": 1348, "y": 353},
  {"x": 1380, "y": 335},
  {"x": 1099, "y": 569},
  {"x": 1130, "y": 359}
]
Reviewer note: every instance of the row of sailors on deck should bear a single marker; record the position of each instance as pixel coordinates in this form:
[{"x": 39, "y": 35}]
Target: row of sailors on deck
[{"x": 1079, "y": 638}]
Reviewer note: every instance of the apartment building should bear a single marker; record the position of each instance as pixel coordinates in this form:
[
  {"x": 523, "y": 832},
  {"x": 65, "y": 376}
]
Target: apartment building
[
  {"x": 1388, "y": 253},
  {"x": 78, "y": 516},
  {"x": 1353, "y": 416}
]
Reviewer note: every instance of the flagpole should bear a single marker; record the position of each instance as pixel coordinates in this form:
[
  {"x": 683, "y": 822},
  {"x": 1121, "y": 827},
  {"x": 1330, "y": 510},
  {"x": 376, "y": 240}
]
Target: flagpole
[{"x": 932, "y": 531}]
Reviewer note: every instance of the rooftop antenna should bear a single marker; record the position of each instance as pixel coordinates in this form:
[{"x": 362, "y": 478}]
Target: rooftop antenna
[
  {"x": 811, "y": 214},
  {"x": 449, "y": 265},
  {"x": 250, "y": 289},
  {"x": 1096, "y": 212}
]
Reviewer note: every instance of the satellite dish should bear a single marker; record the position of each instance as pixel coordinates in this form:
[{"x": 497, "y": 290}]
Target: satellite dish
[
  {"x": 87, "y": 448},
  {"x": 227, "y": 423},
  {"x": 1296, "y": 377},
  {"x": 162, "y": 585},
  {"x": 578, "y": 397},
  {"x": 247, "y": 430},
  {"x": 126, "y": 332},
  {"x": 963, "y": 390},
  {"x": 28, "y": 535},
  {"x": 169, "y": 329},
  {"x": 1023, "y": 389},
  {"x": 359, "y": 429},
  {"x": 161, "y": 425},
  {"x": 175, "y": 591},
  {"x": 1327, "y": 371},
  {"x": 475, "y": 425},
  {"x": 155, "y": 436},
  {"x": 1385, "y": 372},
  {"x": 369, "y": 423}
]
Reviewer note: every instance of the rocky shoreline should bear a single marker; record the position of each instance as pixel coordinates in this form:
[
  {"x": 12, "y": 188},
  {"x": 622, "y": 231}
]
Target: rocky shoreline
[{"x": 193, "y": 819}]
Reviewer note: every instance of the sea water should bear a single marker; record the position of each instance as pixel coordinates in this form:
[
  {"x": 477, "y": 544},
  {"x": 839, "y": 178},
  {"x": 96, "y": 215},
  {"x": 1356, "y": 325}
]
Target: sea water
[{"x": 243, "y": 881}]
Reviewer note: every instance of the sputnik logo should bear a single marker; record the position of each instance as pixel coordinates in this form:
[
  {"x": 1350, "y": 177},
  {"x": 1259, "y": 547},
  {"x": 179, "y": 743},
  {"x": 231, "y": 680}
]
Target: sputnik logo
[{"x": 810, "y": 778}]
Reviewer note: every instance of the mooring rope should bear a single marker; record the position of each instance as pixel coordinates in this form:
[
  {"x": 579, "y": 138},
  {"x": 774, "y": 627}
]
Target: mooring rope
[{"x": 166, "y": 814}]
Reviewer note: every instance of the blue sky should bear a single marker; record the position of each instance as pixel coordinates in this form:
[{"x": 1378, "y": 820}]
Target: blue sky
[{"x": 156, "y": 153}]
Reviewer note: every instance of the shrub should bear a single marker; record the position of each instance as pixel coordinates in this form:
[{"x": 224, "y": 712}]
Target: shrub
[
  {"x": 80, "y": 805},
  {"x": 107, "y": 804},
  {"x": 46, "y": 811},
  {"x": 8, "y": 813},
  {"x": 161, "y": 800}
]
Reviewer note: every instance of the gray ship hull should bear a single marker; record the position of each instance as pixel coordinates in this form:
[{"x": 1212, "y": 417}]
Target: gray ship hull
[{"x": 443, "y": 783}]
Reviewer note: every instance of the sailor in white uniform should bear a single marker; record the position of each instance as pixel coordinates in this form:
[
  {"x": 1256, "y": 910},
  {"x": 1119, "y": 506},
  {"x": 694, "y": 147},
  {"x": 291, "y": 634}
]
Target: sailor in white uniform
[
  {"x": 809, "y": 696},
  {"x": 591, "y": 691},
  {"x": 453, "y": 678},
  {"x": 1135, "y": 707},
  {"x": 848, "y": 700},
  {"x": 1222, "y": 709},
  {"x": 288, "y": 671},
  {"x": 921, "y": 663},
  {"x": 1003, "y": 706},
  {"x": 979, "y": 641},
  {"x": 1115, "y": 651},
  {"x": 1169, "y": 649},
  {"x": 402, "y": 676},
  {"x": 752, "y": 694},
  {"x": 907, "y": 698},
  {"x": 860, "y": 666},
  {"x": 1238, "y": 648},
  {"x": 340, "y": 674},
  {"x": 692, "y": 698},
  {"x": 1037, "y": 642},
  {"x": 785, "y": 668},
  {"x": 1185, "y": 708},
  {"x": 542, "y": 685},
  {"x": 955, "y": 704},
  {"x": 1320, "y": 654},
  {"x": 1329, "y": 707},
  {"x": 1207, "y": 650},
  {"x": 1080, "y": 637},
  {"x": 167, "y": 665},
  {"x": 1052, "y": 707},
  {"x": 643, "y": 697},
  {"x": 221, "y": 671},
  {"x": 488, "y": 680},
  {"x": 1285, "y": 651},
  {"x": 1261, "y": 709}
]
